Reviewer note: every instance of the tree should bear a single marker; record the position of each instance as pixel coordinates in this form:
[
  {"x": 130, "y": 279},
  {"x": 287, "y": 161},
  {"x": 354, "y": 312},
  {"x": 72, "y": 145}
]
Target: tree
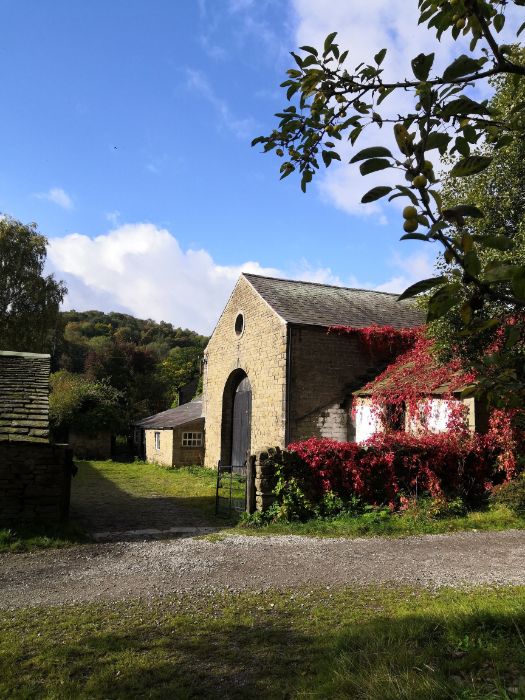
[
  {"x": 180, "y": 367},
  {"x": 500, "y": 191},
  {"x": 29, "y": 300},
  {"x": 328, "y": 103},
  {"x": 85, "y": 405}
]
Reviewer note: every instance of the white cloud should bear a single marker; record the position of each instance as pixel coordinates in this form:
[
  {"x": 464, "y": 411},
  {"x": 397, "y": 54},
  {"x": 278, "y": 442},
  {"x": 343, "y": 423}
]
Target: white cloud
[
  {"x": 364, "y": 28},
  {"x": 113, "y": 217},
  {"x": 242, "y": 128},
  {"x": 141, "y": 269},
  {"x": 412, "y": 267},
  {"x": 58, "y": 196}
]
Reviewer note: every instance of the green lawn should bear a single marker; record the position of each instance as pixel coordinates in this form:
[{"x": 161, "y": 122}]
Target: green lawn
[
  {"x": 140, "y": 479},
  {"x": 191, "y": 485},
  {"x": 373, "y": 643},
  {"x": 41, "y": 536}
]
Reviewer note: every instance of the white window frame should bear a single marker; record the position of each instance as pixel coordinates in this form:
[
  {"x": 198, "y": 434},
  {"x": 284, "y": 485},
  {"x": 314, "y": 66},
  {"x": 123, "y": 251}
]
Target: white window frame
[
  {"x": 156, "y": 437},
  {"x": 192, "y": 438}
]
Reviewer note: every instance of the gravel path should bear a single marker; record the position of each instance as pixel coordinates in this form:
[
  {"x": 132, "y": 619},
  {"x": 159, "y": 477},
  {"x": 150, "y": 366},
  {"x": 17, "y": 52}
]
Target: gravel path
[{"x": 121, "y": 570}]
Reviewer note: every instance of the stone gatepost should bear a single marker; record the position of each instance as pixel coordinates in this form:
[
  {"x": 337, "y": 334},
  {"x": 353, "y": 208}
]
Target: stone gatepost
[{"x": 265, "y": 478}]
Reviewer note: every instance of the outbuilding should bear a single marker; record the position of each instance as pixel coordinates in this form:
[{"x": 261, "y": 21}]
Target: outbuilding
[{"x": 173, "y": 438}]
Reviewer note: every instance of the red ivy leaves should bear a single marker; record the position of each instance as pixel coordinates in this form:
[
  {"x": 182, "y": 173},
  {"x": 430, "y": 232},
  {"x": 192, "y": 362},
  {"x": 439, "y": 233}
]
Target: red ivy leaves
[
  {"x": 381, "y": 341},
  {"x": 394, "y": 465}
]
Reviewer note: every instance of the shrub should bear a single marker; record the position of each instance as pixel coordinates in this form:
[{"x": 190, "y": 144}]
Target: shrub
[
  {"x": 436, "y": 508},
  {"x": 394, "y": 465},
  {"x": 510, "y": 494}
]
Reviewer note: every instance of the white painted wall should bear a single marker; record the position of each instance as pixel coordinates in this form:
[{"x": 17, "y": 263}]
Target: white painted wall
[
  {"x": 434, "y": 416},
  {"x": 367, "y": 422}
]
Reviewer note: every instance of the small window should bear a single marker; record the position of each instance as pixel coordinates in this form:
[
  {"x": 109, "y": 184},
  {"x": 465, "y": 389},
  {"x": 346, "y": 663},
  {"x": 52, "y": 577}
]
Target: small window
[
  {"x": 394, "y": 417},
  {"x": 239, "y": 325},
  {"x": 157, "y": 441},
  {"x": 192, "y": 439}
]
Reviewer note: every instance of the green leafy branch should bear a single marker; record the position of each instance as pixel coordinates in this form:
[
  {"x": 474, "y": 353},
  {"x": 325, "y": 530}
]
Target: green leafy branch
[{"x": 327, "y": 104}]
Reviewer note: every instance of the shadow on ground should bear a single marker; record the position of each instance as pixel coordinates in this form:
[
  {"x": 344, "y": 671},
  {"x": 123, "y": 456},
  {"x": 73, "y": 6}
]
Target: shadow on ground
[
  {"x": 100, "y": 506},
  {"x": 224, "y": 651}
]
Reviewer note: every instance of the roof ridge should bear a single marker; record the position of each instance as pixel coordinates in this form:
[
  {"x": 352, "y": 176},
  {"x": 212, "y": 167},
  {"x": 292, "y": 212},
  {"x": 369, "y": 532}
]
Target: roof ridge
[{"x": 319, "y": 284}]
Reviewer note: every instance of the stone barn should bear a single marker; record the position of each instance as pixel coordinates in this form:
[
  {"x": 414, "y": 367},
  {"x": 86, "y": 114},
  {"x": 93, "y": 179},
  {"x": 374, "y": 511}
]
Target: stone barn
[{"x": 272, "y": 372}]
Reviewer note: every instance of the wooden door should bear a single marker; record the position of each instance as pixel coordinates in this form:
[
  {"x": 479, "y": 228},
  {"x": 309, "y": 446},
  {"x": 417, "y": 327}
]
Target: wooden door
[{"x": 242, "y": 420}]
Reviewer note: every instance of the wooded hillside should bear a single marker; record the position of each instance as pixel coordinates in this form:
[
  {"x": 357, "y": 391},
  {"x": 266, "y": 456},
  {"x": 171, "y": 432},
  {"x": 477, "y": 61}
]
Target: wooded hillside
[{"x": 137, "y": 367}]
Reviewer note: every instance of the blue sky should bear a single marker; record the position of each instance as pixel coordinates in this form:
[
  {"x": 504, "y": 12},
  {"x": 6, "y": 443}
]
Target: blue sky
[{"x": 126, "y": 137}]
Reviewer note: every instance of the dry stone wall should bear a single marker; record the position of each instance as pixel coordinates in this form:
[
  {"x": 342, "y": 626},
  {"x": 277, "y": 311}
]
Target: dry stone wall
[
  {"x": 24, "y": 396},
  {"x": 260, "y": 351},
  {"x": 35, "y": 482},
  {"x": 84, "y": 446}
]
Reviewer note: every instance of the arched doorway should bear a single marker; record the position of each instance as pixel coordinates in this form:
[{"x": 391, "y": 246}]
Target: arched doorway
[{"x": 236, "y": 419}]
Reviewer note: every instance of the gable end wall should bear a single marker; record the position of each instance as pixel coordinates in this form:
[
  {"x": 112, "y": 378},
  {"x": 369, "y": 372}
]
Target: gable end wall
[{"x": 261, "y": 352}]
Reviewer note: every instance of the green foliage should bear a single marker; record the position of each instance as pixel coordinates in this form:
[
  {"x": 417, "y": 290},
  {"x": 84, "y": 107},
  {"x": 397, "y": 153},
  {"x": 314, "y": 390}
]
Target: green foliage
[
  {"x": 180, "y": 367},
  {"x": 511, "y": 495},
  {"x": 88, "y": 406},
  {"x": 438, "y": 508},
  {"x": 29, "y": 300},
  {"x": 499, "y": 191},
  {"x": 330, "y": 102},
  {"x": 148, "y": 362}
]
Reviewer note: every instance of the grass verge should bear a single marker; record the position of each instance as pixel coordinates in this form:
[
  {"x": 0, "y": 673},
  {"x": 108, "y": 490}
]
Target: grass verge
[
  {"x": 41, "y": 536},
  {"x": 382, "y": 523},
  {"x": 373, "y": 643}
]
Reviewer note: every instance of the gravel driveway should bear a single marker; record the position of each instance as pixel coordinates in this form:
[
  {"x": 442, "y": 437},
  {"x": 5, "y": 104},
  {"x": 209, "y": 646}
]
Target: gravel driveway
[{"x": 120, "y": 570}]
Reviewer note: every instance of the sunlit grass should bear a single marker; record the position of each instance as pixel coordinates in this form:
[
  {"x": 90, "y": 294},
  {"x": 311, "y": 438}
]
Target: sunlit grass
[
  {"x": 393, "y": 524},
  {"x": 141, "y": 479},
  {"x": 372, "y": 643}
]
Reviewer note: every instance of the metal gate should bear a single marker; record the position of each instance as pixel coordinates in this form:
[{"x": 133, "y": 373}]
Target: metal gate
[{"x": 235, "y": 486}]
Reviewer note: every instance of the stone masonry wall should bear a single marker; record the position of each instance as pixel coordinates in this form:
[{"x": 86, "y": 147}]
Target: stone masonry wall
[
  {"x": 85, "y": 446},
  {"x": 24, "y": 396},
  {"x": 261, "y": 352},
  {"x": 188, "y": 456},
  {"x": 35, "y": 481},
  {"x": 324, "y": 367},
  {"x": 164, "y": 456}
]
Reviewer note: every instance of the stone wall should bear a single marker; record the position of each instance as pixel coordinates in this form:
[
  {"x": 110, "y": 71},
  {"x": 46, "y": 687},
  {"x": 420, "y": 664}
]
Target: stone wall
[
  {"x": 35, "y": 482},
  {"x": 264, "y": 469},
  {"x": 325, "y": 368},
  {"x": 260, "y": 351},
  {"x": 164, "y": 455},
  {"x": 188, "y": 456},
  {"x": 85, "y": 446},
  {"x": 24, "y": 396}
]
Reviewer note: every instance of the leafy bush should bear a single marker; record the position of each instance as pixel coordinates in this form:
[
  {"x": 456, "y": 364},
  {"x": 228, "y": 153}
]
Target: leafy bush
[
  {"x": 85, "y": 405},
  {"x": 398, "y": 465},
  {"x": 511, "y": 494},
  {"x": 437, "y": 508}
]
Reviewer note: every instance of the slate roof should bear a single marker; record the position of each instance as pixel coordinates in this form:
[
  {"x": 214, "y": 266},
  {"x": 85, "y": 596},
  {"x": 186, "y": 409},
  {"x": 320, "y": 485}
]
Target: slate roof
[
  {"x": 173, "y": 417},
  {"x": 24, "y": 396},
  {"x": 313, "y": 304}
]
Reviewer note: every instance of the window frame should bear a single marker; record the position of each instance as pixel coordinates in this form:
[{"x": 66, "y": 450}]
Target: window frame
[
  {"x": 196, "y": 440},
  {"x": 156, "y": 439}
]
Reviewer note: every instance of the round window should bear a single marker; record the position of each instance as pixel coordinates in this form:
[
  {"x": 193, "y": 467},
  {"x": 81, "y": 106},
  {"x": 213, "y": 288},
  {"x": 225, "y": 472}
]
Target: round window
[{"x": 239, "y": 324}]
